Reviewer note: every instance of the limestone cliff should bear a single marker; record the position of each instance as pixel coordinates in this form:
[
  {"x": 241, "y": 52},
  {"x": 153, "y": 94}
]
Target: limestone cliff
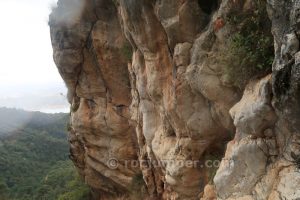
[{"x": 160, "y": 90}]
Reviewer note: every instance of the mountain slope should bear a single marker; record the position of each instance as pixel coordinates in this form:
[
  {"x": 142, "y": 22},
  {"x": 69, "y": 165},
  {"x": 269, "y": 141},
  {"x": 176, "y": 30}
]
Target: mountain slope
[
  {"x": 34, "y": 161},
  {"x": 13, "y": 120}
]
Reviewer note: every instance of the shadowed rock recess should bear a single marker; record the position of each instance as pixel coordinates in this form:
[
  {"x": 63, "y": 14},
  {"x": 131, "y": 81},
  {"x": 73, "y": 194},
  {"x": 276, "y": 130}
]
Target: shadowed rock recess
[{"x": 161, "y": 89}]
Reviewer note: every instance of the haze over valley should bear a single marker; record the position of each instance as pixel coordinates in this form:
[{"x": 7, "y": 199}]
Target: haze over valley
[{"x": 47, "y": 97}]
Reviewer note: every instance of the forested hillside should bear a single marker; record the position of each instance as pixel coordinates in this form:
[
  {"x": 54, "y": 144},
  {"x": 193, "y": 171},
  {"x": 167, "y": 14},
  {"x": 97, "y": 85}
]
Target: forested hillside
[
  {"x": 34, "y": 161},
  {"x": 13, "y": 120}
]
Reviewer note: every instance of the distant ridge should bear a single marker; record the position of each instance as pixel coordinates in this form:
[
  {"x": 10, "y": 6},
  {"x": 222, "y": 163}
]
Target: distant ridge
[{"x": 12, "y": 120}]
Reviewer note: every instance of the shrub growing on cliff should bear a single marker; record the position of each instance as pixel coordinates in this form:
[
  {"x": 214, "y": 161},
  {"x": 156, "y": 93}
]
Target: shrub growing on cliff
[
  {"x": 251, "y": 50},
  {"x": 137, "y": 187},
  {"x": 296, "y": 159},
  {"x": 127, "y": 51},
  {"x": 212, "y": 158}
]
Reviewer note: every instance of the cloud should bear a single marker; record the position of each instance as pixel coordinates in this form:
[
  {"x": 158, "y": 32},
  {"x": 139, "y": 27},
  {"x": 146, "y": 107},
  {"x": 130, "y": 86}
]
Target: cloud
[{"x": 68, "y": 12}]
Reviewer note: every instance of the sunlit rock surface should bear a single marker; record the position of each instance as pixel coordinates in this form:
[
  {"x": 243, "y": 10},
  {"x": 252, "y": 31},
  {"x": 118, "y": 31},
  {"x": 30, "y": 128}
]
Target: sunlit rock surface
[{"x": 146, "y": 86}]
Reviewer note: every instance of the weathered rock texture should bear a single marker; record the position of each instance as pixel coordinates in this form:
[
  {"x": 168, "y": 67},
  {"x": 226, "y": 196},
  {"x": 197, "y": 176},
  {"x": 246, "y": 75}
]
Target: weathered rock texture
[{"x": 146, "y": 84}]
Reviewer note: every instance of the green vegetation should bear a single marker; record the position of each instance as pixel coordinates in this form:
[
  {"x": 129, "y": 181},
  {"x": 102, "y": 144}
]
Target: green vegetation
[
  {"x": 34, "y": 163},
  {"x": 62, "y": 183},
  {"x": 75, "y": 105},
  {"x": 251, "y": 50},
  {"x": 293, "y": 155},
  {"x": 212, "y": 169},
  {"x": 116, "y": 2},
  {"x": 14, "y": 120},
  {"x": 127, "y": 51},
  {"x": 212, "y": 158},
  {"x": 137, "y": 187}
]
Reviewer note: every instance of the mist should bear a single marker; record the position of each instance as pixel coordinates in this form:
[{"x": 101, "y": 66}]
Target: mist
[
  {"x": 29, "y": 78},
  {"x": 47, "y": 97}
]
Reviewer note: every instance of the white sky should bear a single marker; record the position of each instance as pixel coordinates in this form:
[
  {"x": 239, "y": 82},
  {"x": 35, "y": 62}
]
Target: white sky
[
  {"x": 25, "y": 47},
  {"x": 28, "y": 76}
]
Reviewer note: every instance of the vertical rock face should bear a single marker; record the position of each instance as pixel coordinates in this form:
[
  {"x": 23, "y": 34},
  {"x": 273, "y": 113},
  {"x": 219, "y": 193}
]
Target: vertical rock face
[
  {"x": 262, "y": 162},
  {"x": 152, "y": 107}
]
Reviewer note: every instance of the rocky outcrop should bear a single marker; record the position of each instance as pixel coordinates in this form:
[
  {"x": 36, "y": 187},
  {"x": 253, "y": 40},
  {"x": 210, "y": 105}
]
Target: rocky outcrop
[{"x": 153, "y": 107}]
